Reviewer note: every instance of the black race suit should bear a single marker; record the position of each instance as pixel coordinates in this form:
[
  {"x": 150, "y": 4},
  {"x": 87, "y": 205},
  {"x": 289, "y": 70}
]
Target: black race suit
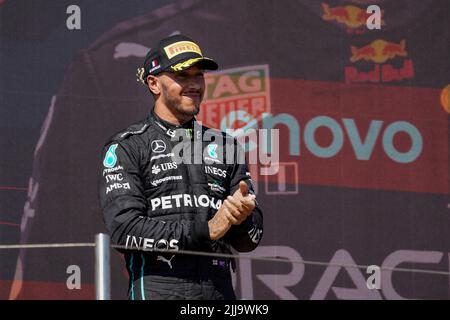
[{"x": 150, "y": 201}]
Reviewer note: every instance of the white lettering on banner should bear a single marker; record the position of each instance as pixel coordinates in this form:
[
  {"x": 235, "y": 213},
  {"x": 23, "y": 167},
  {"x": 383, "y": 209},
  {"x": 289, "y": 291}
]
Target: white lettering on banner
[
  {"x": 363, "y": 148},
  {"x": 403, "y": 256},
  {"x": 283, "y": 284},
  {"x": 342, "y": 257},
  {"x": 113, "y": 177},
  {"x": 116, "y": 186},
  {"x": 216, "y": 171},
  {"x": 141, "y": 243},
  {"x": 184, "y": 200},
  {"x": 278, "y": 283}
]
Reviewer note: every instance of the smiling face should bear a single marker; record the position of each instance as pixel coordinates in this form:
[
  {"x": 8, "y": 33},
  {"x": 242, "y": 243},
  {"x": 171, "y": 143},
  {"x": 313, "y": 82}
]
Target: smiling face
[{"x": 178, "y": 94}]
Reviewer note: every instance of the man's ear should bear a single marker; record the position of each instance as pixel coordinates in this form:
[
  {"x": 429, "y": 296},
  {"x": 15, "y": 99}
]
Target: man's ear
[{"x": 153, "y": 84}]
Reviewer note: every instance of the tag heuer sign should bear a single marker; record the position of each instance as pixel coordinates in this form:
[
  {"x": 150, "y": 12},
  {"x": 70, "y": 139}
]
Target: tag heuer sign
[{"x": 243, "y": 88}]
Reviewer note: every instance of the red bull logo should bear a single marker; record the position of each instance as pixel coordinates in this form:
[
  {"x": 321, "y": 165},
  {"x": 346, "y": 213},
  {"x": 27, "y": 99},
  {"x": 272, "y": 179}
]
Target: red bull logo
[
  {"x": 379, "y": 52},
  {"x": 352, "y": 16}
]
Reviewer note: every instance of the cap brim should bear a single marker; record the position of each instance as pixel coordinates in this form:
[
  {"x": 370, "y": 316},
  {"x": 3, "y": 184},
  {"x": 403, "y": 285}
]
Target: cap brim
[
  {"x": 207, "y": 64},
  {"x": 202, "y": 62}
]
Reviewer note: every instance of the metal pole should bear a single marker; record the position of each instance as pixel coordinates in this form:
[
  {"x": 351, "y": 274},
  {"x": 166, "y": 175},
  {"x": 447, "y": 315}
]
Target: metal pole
[{"x": 102, "y": 267}]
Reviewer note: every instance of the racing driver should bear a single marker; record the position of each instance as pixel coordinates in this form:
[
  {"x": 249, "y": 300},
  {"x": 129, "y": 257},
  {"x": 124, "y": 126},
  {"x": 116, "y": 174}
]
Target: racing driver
[{"x": 168, "y": 183}]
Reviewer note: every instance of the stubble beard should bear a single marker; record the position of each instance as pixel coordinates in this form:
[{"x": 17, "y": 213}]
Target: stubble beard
[{"x": 175, "y": 105}]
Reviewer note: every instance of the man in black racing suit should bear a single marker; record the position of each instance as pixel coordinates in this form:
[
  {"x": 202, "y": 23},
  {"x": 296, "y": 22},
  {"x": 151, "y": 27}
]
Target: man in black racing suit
[{"x": 168, "y": 184}]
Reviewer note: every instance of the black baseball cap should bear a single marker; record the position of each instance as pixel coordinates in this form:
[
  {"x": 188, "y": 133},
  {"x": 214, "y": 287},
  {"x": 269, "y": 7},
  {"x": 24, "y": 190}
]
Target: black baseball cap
[{"x": 174, "y": 53}]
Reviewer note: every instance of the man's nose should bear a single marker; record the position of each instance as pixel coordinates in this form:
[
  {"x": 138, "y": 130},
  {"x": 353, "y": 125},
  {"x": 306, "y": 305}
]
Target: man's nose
[{"x": 196, "y": 83}]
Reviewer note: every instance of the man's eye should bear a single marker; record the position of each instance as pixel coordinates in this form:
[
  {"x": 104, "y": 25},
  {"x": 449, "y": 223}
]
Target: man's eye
[{"x": 184, "y": 76}]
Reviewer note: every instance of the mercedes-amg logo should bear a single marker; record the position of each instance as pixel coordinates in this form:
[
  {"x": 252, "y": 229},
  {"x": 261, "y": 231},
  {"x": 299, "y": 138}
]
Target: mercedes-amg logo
[{"x": 158, "y": 146}]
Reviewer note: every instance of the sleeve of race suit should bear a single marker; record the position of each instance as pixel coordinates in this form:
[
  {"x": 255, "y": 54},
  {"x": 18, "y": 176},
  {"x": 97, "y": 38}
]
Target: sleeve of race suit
[
  {"x": 246, "y": 236},
  {"x": 124, "y": 206}
]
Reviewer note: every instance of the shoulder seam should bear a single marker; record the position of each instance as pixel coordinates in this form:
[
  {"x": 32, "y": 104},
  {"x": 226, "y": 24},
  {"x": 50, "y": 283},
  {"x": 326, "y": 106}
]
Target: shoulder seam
[
  {"x": 122, "y": 135},
  {"x": 132, "y": 133}
]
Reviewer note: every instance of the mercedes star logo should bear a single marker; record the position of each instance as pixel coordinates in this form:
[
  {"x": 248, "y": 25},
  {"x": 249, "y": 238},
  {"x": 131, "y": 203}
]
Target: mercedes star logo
[{"x": 158, "y": 146}]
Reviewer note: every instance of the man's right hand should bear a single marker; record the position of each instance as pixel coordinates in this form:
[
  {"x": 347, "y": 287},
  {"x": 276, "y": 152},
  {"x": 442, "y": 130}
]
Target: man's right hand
[
  {"x": 233, "y": 211},
  {"x": 220, "y": 223}
]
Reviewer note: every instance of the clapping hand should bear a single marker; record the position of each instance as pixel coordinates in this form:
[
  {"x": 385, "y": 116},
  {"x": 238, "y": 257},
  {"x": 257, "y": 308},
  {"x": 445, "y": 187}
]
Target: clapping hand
[
  {"x": 233, "y": 211},
  {"x": 240, "y": 205}
]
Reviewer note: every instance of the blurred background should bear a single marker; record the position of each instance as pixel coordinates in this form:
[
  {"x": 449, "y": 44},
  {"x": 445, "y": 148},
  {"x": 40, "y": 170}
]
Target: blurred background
[{"x": 364, "y": 135}]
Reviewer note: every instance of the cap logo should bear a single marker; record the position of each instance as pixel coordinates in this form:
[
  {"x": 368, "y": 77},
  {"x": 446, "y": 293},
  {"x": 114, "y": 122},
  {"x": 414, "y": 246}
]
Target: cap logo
[
  {"x": 181, "y": 47},
  {"x": 185, "y": 64}
]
